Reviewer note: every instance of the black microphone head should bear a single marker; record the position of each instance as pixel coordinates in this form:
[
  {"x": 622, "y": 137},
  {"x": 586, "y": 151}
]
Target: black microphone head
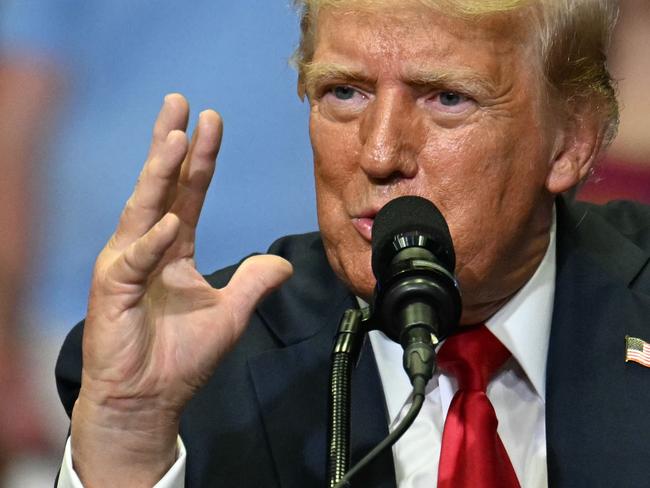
[{"x": 404, "y": 216}]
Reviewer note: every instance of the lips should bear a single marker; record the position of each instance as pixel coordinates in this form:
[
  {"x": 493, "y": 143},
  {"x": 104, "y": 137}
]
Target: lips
[
  {"x": 363, "y": 226},
  {"x": 362, "y": 221}
]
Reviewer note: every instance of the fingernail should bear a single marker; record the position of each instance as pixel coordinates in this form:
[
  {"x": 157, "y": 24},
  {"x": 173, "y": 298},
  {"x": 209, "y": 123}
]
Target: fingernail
[{"x": 202, "y": 117}]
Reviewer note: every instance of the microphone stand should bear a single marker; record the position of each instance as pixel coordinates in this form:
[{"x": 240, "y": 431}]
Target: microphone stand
[
  {"x": 419, "y": 362},
  {"x": 345, "y": 353}
]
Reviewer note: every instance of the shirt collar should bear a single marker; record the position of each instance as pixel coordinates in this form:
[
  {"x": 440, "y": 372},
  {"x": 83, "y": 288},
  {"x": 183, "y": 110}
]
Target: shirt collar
[{"x": 523, "y": 325}]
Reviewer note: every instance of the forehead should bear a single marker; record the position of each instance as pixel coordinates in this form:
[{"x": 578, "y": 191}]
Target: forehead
[{"x": 412, "y": 32}]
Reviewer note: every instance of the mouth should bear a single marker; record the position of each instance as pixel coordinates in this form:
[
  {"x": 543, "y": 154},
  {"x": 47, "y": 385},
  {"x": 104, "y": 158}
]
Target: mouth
[{"x": 363, "y": 224}]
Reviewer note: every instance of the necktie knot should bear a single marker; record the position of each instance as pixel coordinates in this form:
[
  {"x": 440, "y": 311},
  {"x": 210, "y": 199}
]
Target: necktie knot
[{"x": 472, "y": 357}]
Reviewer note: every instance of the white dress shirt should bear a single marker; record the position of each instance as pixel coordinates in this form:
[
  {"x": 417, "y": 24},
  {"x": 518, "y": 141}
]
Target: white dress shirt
[{"x": 517, "y": 393}]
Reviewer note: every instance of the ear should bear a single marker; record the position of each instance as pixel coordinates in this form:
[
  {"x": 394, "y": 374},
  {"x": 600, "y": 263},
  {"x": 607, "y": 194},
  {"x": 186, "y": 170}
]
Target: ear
[{"x": 579, "y": 144}]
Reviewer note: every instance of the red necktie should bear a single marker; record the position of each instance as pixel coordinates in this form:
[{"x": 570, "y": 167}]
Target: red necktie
[{"x": 472, "y": 454}]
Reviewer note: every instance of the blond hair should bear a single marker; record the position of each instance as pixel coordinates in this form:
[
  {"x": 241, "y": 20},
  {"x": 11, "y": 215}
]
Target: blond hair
[{"x": 573, "y": 36}]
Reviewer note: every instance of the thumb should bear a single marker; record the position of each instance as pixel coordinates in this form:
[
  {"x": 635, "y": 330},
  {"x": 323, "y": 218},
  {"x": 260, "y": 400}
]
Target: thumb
[{"x": 255, "y": 278}]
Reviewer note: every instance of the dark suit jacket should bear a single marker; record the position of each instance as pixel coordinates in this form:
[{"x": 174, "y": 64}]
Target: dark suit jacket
[{"x": 261, "y": 419}]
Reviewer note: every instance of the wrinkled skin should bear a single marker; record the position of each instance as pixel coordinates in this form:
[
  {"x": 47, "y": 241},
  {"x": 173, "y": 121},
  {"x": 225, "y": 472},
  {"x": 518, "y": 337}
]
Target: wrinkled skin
[{"x": 410, "y": 102}]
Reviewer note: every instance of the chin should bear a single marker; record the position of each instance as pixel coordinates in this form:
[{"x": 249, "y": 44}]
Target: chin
[
  {"x": 357, "y": 275},
  {"x": 365, "y": 291},
  {"x": 353, "y": 268}
]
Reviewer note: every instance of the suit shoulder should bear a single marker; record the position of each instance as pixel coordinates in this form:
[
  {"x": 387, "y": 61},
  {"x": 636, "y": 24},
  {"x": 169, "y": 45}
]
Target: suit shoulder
[
  {"x": 631, "y": 219},
  {"x": 298, "y": 249}
]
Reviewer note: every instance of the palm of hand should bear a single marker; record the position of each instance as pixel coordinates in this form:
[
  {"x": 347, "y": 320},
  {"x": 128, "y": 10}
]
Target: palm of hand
[{"x": 164, "y": 339}]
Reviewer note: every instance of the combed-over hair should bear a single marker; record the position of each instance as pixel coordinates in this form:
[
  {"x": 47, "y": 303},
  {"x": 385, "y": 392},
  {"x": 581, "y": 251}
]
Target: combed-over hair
[{"x": 573, "y": 37}]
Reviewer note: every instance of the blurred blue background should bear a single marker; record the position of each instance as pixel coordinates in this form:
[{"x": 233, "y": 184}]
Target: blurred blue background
[{"x": 117, "y": 59}]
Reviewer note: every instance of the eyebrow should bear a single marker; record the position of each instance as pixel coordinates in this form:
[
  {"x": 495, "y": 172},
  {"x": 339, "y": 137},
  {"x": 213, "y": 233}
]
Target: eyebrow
[
  {"x": 465, "y": 80},
  {"x": 315, "y": 74},
  {"x": 454, "y": 79}
]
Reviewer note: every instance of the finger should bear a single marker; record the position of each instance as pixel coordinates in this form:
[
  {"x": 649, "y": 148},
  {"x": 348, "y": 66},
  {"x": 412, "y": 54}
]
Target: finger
[
  {"x": 198, "y": 168},
  {"x": 148, "y": 202},
  {"x": 160, "y": 172},
  {"x": 173, "y": 115},
  {"x": 255, "y": 278},
  {"x": 139, "y": 260}
]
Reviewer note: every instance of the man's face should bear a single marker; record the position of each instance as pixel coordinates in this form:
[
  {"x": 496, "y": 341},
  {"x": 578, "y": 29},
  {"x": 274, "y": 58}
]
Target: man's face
[{"x": 410, "y": 102}]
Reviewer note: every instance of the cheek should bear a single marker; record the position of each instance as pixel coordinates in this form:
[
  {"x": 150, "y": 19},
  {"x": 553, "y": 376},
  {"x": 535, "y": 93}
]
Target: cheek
[
  {"x": 458, "y": 170},
  {"x": 485, "y": 166},
  {"x": 335, "y": 146},
  {"x": 334, "y": 155},
  {"x": 347, "y": 252},
  {"x": 335, "y": 172},
  {"x": 476, "y": 178},
  {"x": 497, "y": 213}
]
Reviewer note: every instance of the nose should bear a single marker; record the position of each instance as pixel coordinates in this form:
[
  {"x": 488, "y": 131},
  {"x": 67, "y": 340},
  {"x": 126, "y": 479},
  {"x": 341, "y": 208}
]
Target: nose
[{"x": 388, "y": 136}]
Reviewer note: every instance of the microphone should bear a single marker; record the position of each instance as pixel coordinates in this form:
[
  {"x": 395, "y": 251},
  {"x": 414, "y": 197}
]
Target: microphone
[{"x": 416, "y": 301}]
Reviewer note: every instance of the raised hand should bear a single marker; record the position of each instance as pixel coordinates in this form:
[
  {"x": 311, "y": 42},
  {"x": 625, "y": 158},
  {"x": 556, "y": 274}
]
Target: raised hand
[{"x": 155, "y": 329}]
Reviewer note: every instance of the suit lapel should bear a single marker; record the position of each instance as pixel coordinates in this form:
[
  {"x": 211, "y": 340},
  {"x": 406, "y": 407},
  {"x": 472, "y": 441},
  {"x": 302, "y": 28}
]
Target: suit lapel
[
  {"x": 291, "y": 382},
  {"x": 291, "y": 387},
  {"x": 369, "y": 423},
  {"x": 596, "y": 403}
]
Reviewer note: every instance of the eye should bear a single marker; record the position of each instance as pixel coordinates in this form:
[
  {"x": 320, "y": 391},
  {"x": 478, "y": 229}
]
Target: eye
[
  {"x": 343, "y": 92},
  {"x": 451, "y": 99},
  {"x": 452, "y": 103},
  {"x": 342, "y": 102}
]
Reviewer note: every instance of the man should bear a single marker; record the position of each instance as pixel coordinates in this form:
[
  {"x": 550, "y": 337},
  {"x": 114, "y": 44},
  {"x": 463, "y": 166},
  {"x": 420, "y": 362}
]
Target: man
[{"x": 490, "y": 111}]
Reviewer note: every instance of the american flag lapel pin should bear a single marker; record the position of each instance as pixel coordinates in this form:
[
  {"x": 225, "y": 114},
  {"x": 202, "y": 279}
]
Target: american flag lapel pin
[{"x": 637, "y": 350}]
